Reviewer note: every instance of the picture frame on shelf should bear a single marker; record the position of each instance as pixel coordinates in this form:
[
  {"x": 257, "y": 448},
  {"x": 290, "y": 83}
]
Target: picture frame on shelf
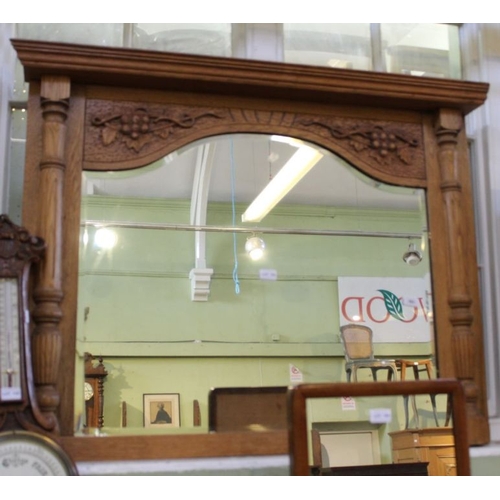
[{"x": 162, "y": 410}]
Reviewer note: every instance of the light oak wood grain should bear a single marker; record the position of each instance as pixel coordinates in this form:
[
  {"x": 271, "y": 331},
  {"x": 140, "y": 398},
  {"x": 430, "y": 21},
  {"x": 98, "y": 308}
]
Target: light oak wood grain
[{"x": 214, "y": 96}]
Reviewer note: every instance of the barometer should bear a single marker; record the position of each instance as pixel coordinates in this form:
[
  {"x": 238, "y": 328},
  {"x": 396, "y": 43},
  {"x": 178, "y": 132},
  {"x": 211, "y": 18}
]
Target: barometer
[
  {"x": 10, "y": 342},
  {"x": 18, "y": 250},
  {"x": 25, "y": 448},
  {"x": 25, "y": 453}
]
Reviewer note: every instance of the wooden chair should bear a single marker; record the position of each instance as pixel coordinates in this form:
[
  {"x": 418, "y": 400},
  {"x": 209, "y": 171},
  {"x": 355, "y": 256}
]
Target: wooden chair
[
  {"x": 357, "y": 341},
  {"x": 418, "y": 366}
]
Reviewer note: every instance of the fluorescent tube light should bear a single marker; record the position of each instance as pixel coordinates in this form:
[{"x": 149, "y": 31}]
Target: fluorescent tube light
[
  {"x": 292, "y": 172},
  {"x": 291, "y": 141}
]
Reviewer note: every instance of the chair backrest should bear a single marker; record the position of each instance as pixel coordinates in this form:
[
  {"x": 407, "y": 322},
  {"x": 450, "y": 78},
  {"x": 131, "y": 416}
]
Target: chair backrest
[{"x": 357, "y": 341}]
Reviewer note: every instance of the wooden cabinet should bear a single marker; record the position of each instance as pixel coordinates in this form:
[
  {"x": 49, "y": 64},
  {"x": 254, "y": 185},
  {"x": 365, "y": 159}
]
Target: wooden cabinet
[{"x": 434, "y": 445}]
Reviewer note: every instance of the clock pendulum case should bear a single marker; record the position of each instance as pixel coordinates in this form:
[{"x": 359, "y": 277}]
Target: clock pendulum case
[
  {"x": 27, "y": 443},
  {"x": 94, "y": 392}
]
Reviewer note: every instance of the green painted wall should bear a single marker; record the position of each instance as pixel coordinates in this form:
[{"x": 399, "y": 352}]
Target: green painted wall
[
  {"x": 488, "y": 465},
  {"x": 135, "y": 308}
]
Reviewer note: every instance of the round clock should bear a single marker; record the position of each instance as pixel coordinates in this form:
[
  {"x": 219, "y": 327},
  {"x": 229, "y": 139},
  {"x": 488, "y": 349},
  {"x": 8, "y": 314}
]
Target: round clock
[
  {"x": 28, "y": 454},
  {"x": 89, "y": 391}
]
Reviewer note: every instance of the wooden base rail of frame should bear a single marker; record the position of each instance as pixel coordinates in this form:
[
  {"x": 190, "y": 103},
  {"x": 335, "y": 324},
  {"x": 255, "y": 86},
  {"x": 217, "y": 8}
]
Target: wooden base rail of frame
[{"x": 83, "y": 449}]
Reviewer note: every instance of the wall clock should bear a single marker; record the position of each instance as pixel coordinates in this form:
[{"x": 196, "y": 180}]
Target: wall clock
[
  {"x": 94, "y": 391},
  {"x": 88, "y": 391},
  {"x": 25, "y": 453}
]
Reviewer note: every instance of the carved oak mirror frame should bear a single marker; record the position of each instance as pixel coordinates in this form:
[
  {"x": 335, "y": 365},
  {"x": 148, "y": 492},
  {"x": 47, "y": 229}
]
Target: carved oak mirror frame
[{"x": 78, "y": 94}]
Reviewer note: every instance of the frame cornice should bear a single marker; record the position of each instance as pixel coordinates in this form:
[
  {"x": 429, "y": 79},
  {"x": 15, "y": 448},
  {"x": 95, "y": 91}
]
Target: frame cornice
[{"x": 259, "y": 79}]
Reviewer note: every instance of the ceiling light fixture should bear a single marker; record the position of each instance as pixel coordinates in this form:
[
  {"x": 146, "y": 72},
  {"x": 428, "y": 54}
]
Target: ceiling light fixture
[
  {"x": 105, "y": 238},
  {"x": 412, "y": 256},
  {"x": 255, "y": 247},
  {"x": 290, "y": 174}
]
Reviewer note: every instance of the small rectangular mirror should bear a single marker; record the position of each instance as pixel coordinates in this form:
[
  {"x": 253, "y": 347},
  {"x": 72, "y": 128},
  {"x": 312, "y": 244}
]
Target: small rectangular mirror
[{"x": 371, "y": 429}]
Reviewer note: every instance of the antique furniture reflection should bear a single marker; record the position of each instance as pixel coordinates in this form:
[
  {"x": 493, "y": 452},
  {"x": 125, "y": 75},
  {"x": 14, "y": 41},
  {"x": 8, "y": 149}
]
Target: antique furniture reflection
[
  {"x": 196, "y": 413},
  {"x": 124, "y": 414},
  {"x": 95, "y": 373},
  {"x": 430, "y": 439},
  {"x": 434, "y": 446},
  {"x": 247, "y": 409},
  {"x": 418, "y": 366},
  {"x": 357, "y": 341}
]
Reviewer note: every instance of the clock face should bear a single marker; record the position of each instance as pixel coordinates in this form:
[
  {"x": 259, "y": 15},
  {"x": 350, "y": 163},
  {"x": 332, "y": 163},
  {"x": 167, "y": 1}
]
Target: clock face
[
  {"x": 28, "y": 454},
  {"x": 89, "y": 391}
]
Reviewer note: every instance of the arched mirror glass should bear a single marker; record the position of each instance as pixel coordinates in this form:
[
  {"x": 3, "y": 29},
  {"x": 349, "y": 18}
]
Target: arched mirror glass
[{"x": 171, "y": 300}]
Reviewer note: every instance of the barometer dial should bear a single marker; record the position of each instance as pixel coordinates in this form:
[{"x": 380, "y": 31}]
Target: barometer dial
[{"x": 28, "y": 454}]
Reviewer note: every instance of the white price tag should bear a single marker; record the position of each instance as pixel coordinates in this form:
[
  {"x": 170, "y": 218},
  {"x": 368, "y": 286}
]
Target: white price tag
[{"x": 380, "y": 415}]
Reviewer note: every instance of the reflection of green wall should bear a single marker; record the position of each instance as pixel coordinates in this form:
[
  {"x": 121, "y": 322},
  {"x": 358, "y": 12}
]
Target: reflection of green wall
[
  {"x": 142, "y": 320},
  {"x": 131, "y": 377},
  {"x": 330, "y": 415},
  {"x": 132, "y": 308}
]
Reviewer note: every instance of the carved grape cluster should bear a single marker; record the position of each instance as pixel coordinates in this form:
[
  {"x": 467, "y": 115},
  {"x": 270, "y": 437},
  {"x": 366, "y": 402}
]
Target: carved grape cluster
[
  {"x": 138, "y": 127},
  {"x": 134, "y": 124},
  {"x": 383, "y": 142}
]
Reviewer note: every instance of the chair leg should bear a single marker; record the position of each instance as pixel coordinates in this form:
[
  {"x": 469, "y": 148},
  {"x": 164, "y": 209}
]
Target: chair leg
[
  {"x": 415, "y": 410},
  {"x": 374, "y": 374},
  {"x": 448, "y": 411},
  {"x": 407, "y": 416},
  {"x": 434, "y": 409}
]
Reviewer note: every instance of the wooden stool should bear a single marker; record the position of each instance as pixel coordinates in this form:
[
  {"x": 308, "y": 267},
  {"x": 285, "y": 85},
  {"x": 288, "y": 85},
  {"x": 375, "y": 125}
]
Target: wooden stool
[{"x": 420, "y": 365}]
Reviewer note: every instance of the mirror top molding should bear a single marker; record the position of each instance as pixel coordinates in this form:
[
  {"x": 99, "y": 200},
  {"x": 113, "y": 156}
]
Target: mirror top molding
[{"x": 229, "y": 76}]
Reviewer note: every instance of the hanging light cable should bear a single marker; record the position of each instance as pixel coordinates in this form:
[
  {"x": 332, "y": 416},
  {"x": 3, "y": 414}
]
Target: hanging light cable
[{"x": 235, "y": 253}]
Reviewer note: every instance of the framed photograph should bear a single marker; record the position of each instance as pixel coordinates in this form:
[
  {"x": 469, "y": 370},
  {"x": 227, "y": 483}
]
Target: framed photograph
[{"x": 162, "y": 410}]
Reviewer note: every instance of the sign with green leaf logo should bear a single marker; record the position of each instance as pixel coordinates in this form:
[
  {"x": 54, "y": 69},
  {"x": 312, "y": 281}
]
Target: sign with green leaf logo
[
  {"x": 396, "y": 309},
  {"x": 393, "y": 304}
]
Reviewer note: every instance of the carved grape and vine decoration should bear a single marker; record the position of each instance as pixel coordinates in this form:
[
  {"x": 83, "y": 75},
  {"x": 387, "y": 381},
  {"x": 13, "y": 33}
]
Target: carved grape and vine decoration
[
  {"x": 381, "y": 143},
  {"x": 139, "y": 127}
]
